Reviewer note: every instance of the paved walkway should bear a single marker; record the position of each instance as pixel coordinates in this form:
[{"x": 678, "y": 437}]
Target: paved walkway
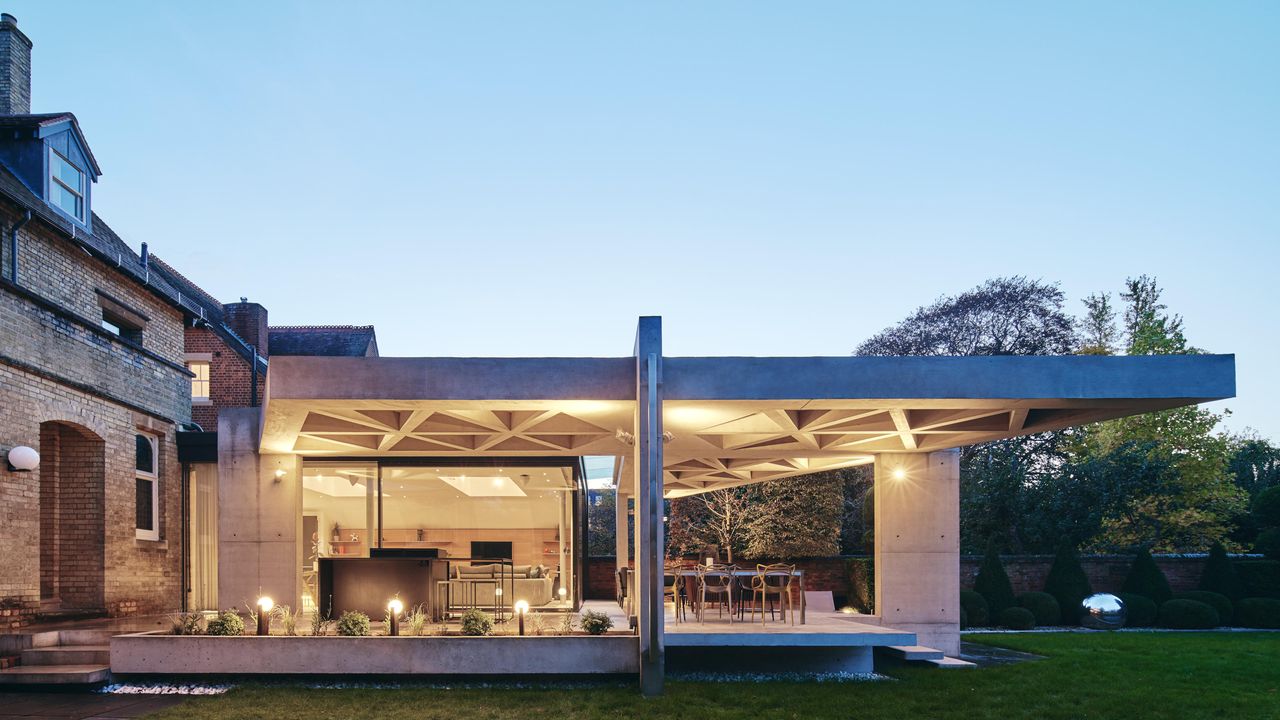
[{"x": 81, "y": 705}]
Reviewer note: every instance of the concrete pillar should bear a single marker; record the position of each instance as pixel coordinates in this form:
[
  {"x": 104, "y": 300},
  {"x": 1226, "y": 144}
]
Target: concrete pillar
[
  {"x": 917, "y": 545},
  {"x": 259, "y": 501},
  {"x": 648, "y": 465}
]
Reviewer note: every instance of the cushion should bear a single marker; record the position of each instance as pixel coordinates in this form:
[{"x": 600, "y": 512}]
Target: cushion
[
  {"x": 475, "y": 571},
  {"x": 520, "y": 570}
]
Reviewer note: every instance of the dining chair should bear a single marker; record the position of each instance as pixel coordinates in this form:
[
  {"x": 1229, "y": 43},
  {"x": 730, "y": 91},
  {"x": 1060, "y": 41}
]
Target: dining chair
[
  {"x": 718, "y": 582},
  {"x": 769, "y": 582},
  {"x": 671, "y": 589}
]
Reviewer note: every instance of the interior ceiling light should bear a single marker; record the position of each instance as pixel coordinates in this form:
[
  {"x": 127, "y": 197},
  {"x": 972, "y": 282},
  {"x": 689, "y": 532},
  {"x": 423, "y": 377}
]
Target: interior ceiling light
[{"x": 474, "y": 486}]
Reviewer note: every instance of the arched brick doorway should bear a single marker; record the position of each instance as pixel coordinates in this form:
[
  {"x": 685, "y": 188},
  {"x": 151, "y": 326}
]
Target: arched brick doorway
[{"x": 72, "y": 517}]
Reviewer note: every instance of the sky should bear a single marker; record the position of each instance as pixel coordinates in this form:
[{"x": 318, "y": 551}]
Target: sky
[{"x": 772, "y": 178}]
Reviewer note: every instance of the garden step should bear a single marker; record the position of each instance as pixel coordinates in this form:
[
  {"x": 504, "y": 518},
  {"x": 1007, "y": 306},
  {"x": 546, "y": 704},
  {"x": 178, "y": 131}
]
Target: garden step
[
  {"x": 950, "y": 663},
  {"x": 85, "y": 637},
  {"x": 913, "y": 652},
  {"x": 68, "y": 655},
  {"x": 55, "y": 675}
]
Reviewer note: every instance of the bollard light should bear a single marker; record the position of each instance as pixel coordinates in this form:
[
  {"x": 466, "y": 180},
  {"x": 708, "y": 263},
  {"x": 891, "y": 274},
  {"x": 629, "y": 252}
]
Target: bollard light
[
  {"x": 522, "y": 607},
  {"x": 564, "y": 592},
  {"x": 394, "y": 608},
  {"x": 265, "y": 604}
]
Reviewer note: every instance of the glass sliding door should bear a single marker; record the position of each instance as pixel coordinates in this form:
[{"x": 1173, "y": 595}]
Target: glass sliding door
[
  {"x": 337, "y": 516},
  {"x": 521, "y": 512}
]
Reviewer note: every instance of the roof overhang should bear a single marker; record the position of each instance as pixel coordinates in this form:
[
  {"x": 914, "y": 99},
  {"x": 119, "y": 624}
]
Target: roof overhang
[{"x": 731, "y": 420}]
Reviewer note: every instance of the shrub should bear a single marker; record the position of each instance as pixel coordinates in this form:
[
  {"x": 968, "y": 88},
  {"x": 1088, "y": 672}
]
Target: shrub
[
  {"x": 1225, "y": 609},
  {"x": 1268, "y": 543},
  {"x": 353, "y": 623},
  {"x": 1146, "y": 578},
  {"x": 320, "y": 623},
  {"x": 1068, "y": 584},
  {"x": 1261, "y": 578},
  {"x": 224, "y": 623},
  {"x": 1187, "y": 615},
  {"x": 964, "y": 619},
  {"x": 1258, "y": 613},
  {"x": 1266, "y": 507},
  {"x": 596, "y": 623},
  {"x": 417, "y": 620},
  {"x": 1043, "y": 607},
  {"x": 975, "y": 607},
  {"x": 1140, "y": 610},
  {"x": 187, "y": 623},
  {"x": 1220, "y": 574},
  {"x": 476, "y": 623},
  {"x": 992, "y": 582},
  {"x": 1016, "y": 618}
]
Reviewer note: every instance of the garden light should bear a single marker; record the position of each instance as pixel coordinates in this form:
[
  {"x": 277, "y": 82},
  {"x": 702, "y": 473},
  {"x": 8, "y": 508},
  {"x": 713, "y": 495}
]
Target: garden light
[
  {"x": 394, "y": 608},
  {"x": 522, "y": 607},
  {"x": 265, "y": 604}
]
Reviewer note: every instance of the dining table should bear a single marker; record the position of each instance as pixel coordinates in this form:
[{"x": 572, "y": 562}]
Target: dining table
[{"x": 739, "y": 576}]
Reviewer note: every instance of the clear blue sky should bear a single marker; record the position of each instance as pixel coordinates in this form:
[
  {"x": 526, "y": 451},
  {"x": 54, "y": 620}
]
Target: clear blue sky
[{"x": 773, "y": 178}]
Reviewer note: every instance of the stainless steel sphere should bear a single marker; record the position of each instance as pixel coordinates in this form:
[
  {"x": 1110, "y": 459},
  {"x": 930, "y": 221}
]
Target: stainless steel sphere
[{"x": 1102, "y": 611}]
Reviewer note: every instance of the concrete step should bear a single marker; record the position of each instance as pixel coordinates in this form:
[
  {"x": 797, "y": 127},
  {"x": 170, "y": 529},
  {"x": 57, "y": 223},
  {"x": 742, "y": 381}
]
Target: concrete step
[
  {"x": 55, "y": 675},
  {"x": 86, "y": 637},
  {"x": 950, "y": 663},
  {"x": 912, "y": 653},
  {"x": 68, "y": 655}
]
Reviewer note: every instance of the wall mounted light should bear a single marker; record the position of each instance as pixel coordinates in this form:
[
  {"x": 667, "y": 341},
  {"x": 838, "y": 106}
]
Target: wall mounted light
[
  {"x": 394, "y": 608},
  {"x": 899, "y": 474},
  {"x": 280, "y": 473},
  {"x": 522, "y": 607},
  {"x": 23, "y": 459},
  {"x": 265, "y": 604}
]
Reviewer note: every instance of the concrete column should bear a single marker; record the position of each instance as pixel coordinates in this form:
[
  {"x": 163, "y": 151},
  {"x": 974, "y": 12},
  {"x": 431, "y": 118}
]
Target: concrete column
[
  {"x": 259, "y": 500},
  {"x": 649, "y": 540},
  {"x": 917, "y": 545}
]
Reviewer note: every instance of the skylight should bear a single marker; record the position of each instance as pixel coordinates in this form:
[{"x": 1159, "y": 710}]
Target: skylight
[{"x": 485, "y": 486}]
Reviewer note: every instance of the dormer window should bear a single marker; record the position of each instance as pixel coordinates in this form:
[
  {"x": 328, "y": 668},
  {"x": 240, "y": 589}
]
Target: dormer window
[{"x": 66, "y": 185}]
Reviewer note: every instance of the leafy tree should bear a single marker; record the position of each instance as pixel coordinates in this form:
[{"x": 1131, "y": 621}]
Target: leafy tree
[
  {"x": 602, "y": 522},
  {"x": 1147, "y": 579},
  {"x": 1254, "y": 462},
  {"x": 1003, "y": 316},
  {"x": 993, "y": 583},
  {"x": 1068, "y": 583},
  {"x": 798, "y": 517},
  {"x": 1098, "y": 328},
  {"x": 857, "y": 525},
  {"x": 1220, "y": 576},
  {"x": 1196, "y": 503}
]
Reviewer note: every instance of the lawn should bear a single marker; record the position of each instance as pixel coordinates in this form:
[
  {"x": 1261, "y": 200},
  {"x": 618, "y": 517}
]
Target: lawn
[{"x": 1133, "y": 676}]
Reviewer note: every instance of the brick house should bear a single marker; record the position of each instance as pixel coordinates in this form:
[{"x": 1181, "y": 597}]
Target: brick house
[{"x": 91, "y": 376}]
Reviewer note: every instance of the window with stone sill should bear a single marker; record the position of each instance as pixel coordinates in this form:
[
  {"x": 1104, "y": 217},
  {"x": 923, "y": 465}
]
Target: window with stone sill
[
  {"x": 147, "y": 488},
  {"x": 199, "y": 368}
]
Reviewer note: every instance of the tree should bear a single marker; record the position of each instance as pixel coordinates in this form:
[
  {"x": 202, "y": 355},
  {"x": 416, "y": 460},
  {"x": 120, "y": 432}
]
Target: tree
[
  {"x": 1003, "y": 316},
  {"x": 1068, "y": 583},
  {"x": 1195, "y": 503},
  {"x": 857, "y": 526},
  {"x": 798, "y": 517},
  {"x": 719, "y": 517},
  {"x": 1220, "y": 576},
  {"x": 602, "y": 522},
  {"x": 993, "y": 583},
  {"x": 1254, "y": 462},
  {"x": 1147, "y": 579},
  {"x": 1098, "y": 329}
]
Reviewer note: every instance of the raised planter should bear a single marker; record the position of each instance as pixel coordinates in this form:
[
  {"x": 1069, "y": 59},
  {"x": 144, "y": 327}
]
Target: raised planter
[{"x": 155, "y": 654}]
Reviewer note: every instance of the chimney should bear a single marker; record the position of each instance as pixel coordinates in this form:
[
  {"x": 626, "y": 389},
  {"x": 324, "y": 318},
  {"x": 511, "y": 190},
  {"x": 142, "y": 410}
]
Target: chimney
[
  {"x": 15, "y": 68},
  {"x": 249, "y": 321}
]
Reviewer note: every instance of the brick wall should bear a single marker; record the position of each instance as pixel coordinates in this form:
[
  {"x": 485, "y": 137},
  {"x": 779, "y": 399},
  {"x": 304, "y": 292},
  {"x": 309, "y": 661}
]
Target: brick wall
[
  {"x": 79, "y": 395},
  {"x": 230, "y": 377},
  {"x": 1106, "y": 573}
]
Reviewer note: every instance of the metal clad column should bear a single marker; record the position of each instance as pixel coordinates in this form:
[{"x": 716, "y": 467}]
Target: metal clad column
[{"x": 650, "y": 550}]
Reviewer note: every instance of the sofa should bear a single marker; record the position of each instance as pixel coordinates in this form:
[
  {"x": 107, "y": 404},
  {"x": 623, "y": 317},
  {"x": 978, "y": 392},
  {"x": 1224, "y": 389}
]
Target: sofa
[{"x": 531, "y": 583}]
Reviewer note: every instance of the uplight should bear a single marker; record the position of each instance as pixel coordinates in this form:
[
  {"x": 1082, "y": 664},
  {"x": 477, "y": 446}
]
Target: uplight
[{"x": 265, "y": 604}]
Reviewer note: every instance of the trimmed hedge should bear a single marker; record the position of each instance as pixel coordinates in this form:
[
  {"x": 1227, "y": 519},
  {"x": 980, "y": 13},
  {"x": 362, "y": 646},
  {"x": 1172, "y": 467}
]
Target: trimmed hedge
[
  {"x": 993, "y": 583},
  {"x": 1146, "y": 578},
  {"x": 975, "y": 607},
  {"x": 1140, "y": 610},
  {"x": 1220, "y": 575},
  {"x": 1043, "y": 606},
  {"x": 1017, "y": 618},
  {"x": 1225, "y": 609},
  {"x": 1068, "y": 584},
  {"x": 1261, "y": 578},
  {"x": 1187, "y": 615},
  {"x": 1261, "y": 613},
  {"x": 1268, "y": 543}
]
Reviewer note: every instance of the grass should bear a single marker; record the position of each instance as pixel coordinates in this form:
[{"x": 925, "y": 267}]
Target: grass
[{"x": 1130, "y": 676}]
